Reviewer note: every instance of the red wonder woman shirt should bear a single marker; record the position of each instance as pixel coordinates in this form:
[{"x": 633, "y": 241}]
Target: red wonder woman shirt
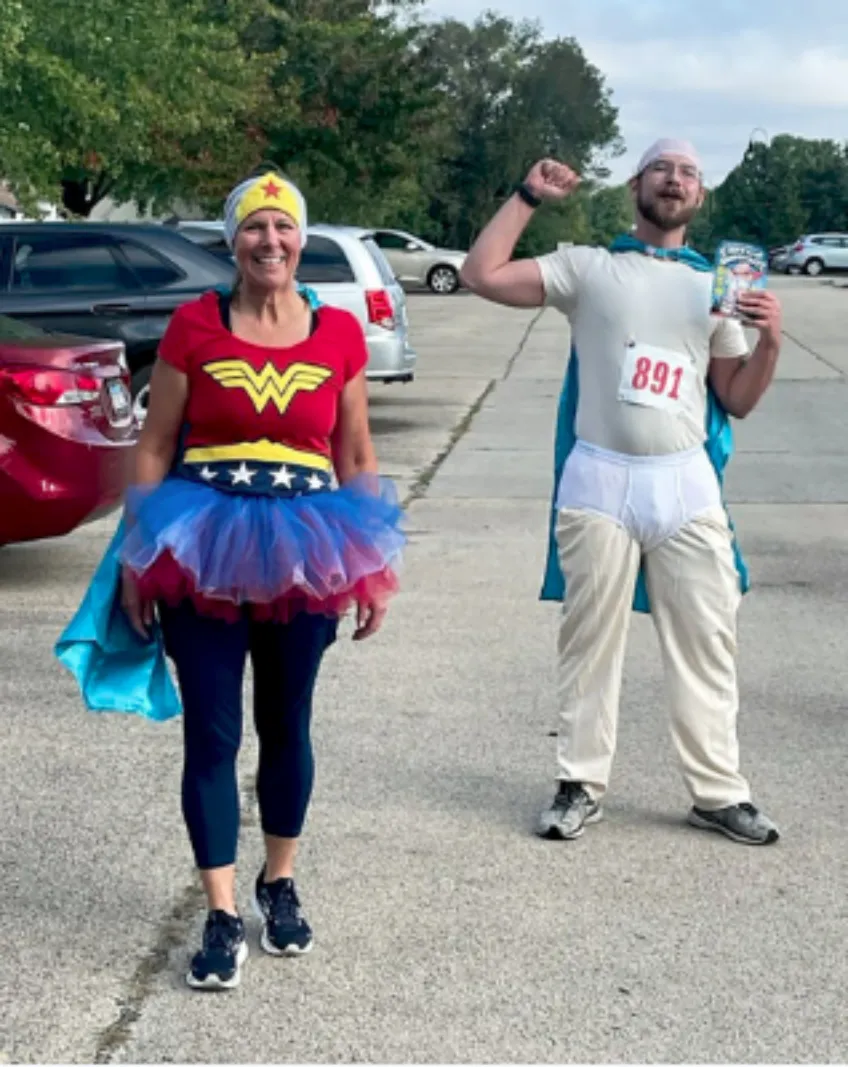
[{"x": 255, "y": 402}]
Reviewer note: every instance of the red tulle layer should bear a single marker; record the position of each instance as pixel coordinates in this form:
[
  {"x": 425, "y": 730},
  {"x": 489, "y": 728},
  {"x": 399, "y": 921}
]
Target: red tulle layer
[{"x": 166, "y": 580}]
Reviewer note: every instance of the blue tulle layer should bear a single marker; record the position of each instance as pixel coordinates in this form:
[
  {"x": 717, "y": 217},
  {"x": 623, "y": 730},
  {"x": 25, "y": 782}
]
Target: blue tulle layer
[{"x": 322, "y": 551}]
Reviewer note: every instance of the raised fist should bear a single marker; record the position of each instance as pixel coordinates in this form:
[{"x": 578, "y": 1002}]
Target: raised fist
[{"x": 550, "y": 180}]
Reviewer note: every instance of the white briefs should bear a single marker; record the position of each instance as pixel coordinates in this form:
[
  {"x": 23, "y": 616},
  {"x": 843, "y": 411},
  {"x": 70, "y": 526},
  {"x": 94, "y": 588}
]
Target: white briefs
[{"x": 652, "y": 497}]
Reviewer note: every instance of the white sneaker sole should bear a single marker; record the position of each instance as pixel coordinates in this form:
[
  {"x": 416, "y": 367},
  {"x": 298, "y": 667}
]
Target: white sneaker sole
[
  {"x": 694, "y": 819},
  {"x": 265, "y": 942},
  {"x": 214, "y": 982},
  {"x": 553, "y": 832}
]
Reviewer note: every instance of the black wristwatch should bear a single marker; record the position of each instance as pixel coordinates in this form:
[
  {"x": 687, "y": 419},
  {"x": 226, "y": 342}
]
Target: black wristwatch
[{"x": 526, "y": 195}]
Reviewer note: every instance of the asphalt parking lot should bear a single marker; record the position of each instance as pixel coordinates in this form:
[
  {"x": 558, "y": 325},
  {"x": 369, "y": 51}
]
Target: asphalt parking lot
[{"x": 445, "y": 930}]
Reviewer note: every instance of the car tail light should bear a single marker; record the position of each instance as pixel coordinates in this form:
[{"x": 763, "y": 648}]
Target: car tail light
[
  {"x": 50, "y": 388},
  {"x": 380, "y": 310},
  {"x": 798, "y": 247}
]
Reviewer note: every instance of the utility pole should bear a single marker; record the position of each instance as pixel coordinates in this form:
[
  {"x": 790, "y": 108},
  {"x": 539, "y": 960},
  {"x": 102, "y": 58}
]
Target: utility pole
[{"x": 758, "y": 152}]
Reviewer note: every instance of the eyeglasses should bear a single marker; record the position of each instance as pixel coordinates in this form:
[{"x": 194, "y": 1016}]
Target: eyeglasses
[{"x": 688, "y": 171}]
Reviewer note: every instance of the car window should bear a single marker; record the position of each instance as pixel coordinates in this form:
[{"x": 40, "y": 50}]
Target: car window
[
  {"x": 324, "y": 260},
  {"x": 219, "y": 247},
  {"x": 391, "y": 240},
  {"x": 6, "y": 246},
  {"x": 211, "y": 240},
  {"x": 13, "y": 330},
  {"x": 152, "y": 270},
  {"x": 68, "y": 262},
  {"x": 387, "y": 275}
]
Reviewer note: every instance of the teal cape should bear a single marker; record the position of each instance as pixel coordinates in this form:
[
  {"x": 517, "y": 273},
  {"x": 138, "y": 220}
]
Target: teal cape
[
  {"x": 718, "y": 443},
  {"x": 114, "y": 667}
]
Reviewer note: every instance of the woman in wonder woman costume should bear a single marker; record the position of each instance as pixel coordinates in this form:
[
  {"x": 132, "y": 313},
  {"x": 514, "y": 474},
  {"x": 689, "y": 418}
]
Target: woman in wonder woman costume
[{"x": 257, "y": 517}]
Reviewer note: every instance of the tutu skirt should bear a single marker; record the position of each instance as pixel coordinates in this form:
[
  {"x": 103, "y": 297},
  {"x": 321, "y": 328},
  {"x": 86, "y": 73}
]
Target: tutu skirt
[{"x": 323, "y": 551}]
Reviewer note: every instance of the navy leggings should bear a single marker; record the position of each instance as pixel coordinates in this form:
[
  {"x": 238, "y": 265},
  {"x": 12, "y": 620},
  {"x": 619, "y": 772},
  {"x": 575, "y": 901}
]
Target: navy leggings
[{"x": 210, "y": 656}]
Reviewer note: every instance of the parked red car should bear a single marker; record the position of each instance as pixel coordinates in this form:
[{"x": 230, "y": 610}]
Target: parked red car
[{"x": 67, "y": 430}]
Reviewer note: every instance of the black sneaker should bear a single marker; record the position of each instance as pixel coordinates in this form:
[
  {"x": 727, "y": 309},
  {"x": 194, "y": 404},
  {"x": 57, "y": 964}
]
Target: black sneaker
[
  {"x": 571, "y": 811},
  {"x": 218, "y": 964},
  {"x": 740, "y": 822},
  {"x": 285, "y": 931}
]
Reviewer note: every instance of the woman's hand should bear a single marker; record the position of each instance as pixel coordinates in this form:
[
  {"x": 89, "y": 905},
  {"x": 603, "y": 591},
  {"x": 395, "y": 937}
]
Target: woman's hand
[
  {"x": 138, "y": 610},
  {"x": 369, "y": 619}
]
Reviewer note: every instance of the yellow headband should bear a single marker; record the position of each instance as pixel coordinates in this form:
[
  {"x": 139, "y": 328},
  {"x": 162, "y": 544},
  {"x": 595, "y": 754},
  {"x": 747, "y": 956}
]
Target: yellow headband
[{"x": 269, "y": 191}]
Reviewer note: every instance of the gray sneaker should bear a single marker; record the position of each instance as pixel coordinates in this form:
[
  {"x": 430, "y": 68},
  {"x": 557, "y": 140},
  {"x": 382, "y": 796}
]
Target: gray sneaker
[
  {"x": 570, "y": 812},
  {"x": 740, "y": 822}
]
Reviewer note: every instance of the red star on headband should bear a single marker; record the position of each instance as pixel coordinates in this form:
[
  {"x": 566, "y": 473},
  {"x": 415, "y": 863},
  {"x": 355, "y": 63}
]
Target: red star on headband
[{"x": 271, "y": 190}]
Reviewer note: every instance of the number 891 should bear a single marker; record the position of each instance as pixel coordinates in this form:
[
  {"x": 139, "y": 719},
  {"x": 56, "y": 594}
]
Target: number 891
[{"x": 658, "y": 377}]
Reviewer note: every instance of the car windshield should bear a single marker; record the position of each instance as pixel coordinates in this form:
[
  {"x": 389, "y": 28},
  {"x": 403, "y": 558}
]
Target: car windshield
[{"x": 12, "y": 330}]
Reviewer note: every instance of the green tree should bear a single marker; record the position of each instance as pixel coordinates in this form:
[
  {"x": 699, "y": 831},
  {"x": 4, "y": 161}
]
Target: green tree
[
  {"x": 781, "y": 190},
  {"x": 114, "y": 96},
  {"x": 358, "y": 139},
  {"x": 610, "y": 212},
  {"x": 512, "y": 98},
  {"x": 13, "y": 21}
]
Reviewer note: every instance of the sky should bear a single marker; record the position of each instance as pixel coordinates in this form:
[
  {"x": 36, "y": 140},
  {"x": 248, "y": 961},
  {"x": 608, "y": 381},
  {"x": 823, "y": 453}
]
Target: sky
[{"x": 711, "y": 71}]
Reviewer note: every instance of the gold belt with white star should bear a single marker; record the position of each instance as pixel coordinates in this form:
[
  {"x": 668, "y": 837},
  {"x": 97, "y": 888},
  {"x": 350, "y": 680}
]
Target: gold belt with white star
[{"x": 262, "y": 468}]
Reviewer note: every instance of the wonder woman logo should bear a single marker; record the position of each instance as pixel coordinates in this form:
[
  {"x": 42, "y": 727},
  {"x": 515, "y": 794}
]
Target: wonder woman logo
[{"x": 268, "y": 385}]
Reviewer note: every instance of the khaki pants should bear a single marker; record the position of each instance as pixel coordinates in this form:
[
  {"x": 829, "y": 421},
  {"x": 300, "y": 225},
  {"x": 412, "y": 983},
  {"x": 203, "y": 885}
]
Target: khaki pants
[{"x": 694, "y": 593}]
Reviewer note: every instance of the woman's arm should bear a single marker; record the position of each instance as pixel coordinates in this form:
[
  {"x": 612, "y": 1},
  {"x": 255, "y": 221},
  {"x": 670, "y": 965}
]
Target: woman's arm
[
  {"x": 157, "y": 442},
  {"x": 352, "y": 447},
  {"x": 353, "y": 454},
  {"x": 154, "y": 455}
]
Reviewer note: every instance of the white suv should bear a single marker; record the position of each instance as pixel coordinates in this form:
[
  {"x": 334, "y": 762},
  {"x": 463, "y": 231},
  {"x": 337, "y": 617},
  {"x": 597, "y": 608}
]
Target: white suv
[
  {"x": 345, "y": 268},
  {"x": 817, "y": 252}
]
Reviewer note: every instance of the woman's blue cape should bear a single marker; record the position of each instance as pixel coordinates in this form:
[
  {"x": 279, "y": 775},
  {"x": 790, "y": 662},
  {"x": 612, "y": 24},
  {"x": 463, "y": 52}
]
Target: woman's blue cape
[
  {"x": 719, "y": 443},
  {"x": 117, "y": 670}
]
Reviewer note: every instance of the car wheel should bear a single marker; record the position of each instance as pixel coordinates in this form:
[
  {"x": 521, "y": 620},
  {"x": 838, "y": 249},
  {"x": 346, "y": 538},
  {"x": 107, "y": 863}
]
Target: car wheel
[
  {"x": 813, "y": 267},
  {"x": 141, "y": 393},
  {"x": 443, "y": 280}
]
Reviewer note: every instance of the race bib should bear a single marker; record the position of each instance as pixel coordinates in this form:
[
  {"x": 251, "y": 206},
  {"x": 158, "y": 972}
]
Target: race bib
[{"x": 657, "y": 378}]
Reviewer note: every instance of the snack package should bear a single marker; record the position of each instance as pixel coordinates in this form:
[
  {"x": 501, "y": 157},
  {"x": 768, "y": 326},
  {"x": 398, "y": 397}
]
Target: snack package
[{"x": 738, "y": 267}]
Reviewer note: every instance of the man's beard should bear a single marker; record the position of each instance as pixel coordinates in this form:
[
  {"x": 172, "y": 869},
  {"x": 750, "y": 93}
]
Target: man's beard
[{"x": 666, "y": 223}]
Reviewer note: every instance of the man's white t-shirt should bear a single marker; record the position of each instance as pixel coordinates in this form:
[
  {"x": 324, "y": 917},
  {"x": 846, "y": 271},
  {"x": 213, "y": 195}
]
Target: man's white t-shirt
[{"x": 644, "y": 337}]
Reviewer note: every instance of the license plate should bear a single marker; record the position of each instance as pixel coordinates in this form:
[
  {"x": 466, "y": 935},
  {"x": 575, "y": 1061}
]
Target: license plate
[{"x": 119, "y": 398}]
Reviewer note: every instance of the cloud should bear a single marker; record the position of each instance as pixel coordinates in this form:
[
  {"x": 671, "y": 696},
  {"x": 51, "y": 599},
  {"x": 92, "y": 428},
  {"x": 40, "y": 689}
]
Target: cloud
[
  {"x": 709, "y": 72},
  {"x": 756, "y": 68}
]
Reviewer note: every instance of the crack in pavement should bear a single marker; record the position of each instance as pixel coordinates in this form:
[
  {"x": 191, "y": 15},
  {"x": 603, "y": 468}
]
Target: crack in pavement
[
  {"x": 513, "y": 359},
  {"x": 814, "y": 354},
  {"x": 419, "y": 487},
  {"x": 174, "y": 930}
]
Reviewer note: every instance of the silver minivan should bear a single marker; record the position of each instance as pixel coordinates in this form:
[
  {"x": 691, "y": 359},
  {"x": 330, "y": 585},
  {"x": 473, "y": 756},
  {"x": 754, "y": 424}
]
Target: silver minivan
[
  {"x": 345, "y": 268},
  {"x": 817, "y": 252}
]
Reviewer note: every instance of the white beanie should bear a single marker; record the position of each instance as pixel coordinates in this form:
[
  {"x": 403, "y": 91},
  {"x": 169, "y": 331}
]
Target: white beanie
[
  {"x": 268, "y": 190},
  {"x": 669, "y": 146}
]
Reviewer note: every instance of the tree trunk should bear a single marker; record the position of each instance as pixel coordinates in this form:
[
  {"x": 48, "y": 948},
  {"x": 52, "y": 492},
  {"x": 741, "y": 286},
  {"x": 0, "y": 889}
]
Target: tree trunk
[{"x": 81, "y": 196}]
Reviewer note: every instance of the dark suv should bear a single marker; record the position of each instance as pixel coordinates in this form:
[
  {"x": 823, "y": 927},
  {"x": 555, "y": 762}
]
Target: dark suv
[{"x": 116, "y": 280}]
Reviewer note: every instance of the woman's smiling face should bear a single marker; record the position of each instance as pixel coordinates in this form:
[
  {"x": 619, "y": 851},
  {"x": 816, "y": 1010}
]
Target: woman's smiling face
[{"x": 267, "y": 249}]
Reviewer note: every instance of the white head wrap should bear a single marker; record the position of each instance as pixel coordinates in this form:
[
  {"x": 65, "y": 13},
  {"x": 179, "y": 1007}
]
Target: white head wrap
[
  {"x": 669, "y": 146},
  {"x": 269, "y": 190}
]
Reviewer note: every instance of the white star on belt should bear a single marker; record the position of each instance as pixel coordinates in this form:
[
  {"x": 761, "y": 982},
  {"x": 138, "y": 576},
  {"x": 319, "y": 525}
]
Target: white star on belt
[
  {"x": 283, "y": 477},
  {"x": 242, "y": 474},
  {"x": 314, "y": 482},
  {"x": 207, "y": 474}
]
